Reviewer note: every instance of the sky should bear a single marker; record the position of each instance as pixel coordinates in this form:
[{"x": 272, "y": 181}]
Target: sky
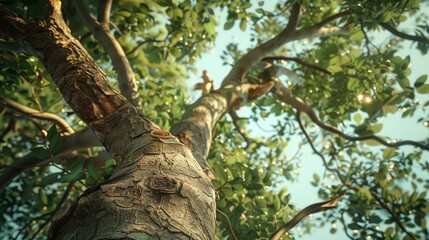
[{"x": 393, "y": 125}]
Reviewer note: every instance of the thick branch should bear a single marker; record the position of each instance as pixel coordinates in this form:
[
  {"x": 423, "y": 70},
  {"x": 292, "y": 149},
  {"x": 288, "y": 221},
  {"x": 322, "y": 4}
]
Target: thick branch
[
  {"x": 255, "y": 55},
  {"x": 74, "y": 142},
  {"x": 195, "y": 128},
  {"x": 126, "y": 78},
  {"x": 81, "y": 82},
  {"x": 66, "y": 128},
  {"x": 104, "y": 8},
  {"x": 200, "y": 118}
]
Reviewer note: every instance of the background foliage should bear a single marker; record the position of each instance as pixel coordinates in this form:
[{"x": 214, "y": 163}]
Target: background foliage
[{"x": 386, "y": 186}]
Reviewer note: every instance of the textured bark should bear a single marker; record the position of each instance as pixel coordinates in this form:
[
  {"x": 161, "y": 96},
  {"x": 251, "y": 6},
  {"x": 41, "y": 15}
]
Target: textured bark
[{"x": 158, "y": 190}]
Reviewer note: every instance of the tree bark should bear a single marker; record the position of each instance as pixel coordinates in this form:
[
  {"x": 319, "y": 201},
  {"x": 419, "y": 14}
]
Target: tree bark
[{"x": 158, "y": 190}]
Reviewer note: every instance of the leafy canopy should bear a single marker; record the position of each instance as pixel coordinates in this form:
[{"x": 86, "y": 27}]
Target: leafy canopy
[{"x": 348, "y": 79}]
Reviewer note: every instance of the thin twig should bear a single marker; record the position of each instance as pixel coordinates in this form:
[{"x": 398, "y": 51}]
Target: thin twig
[
  {"x": 235, "y": 119},
  {"x": 141, "y": 44},
  {"x": 226, "y": 220},
  {"x": 349, "y": 186},
  {"x": 367, "y": 41},
  {"x": 395, "y": 218}
]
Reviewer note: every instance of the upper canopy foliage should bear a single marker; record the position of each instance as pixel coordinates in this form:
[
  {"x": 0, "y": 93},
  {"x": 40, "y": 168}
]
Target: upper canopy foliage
[{"x": 346, "y": 80}]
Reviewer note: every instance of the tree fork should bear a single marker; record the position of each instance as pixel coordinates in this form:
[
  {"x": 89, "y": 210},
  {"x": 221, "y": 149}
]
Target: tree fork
[{"x": 158, "y": 190}]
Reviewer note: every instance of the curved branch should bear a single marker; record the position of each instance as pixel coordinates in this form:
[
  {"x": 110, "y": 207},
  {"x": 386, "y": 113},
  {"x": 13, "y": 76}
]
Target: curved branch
[
  {"x": 195, "y": 128},
  {"x": 141, "y": 44},
  {"x": 66, "y": 128},
  {"x": 286, "y": 96},
  {"x": 255, "y": 55},
  {"x": 104, "y": 8},
  {"x": 222, "y": 216},
  {"x": 76, "y": 141},
  {"x": 290, "y": 33},
  {"x": 403, "y": 35},
  {"x": 313, "y": 208},
  {"x": 349, "y": 186},
  {"x": 126, "y": 78}
]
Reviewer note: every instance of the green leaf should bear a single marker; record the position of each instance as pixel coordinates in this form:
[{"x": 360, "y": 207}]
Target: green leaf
[
  {"x": 229, "y": 24},
  {"x": 357, "y": 118},
  {"x": 243, "y": 24},
  {"x": 389, "y": 153},
  {"x": 40, "y": 152},
  {"x": 420, "y": 81},
  {"x": 376, "y": 128},
  {"x": 55, "y": 139},
  {"x": 404, "y": 82},
  {"x": 334, "y": 69},
  {"x": 73, "y": 175},
  {"x": 228, "y": 192},
  {"x": 49, "y": 179},
  {"x": 210, "y": 28},
  {"x": 260, "y": 203},
  {"x": 423, "y": 89},
  {"x": 352, "y": 83},
  {"x": 43, "y": 197},
  {"x": 277, "y": 203},
  {"x": 371, "y": 142},
  {"x": 374, "y": 219}
]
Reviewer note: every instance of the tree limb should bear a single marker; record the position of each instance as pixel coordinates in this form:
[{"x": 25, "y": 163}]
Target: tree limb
[
  {"x": 349, "y": 186},
  {"x": 104, "y": 8},
  {"x": 255, "y": 55},
  {"x": 313, "y": 208},
  {"x": 65, "y": 127},
  {"x": 290, "y": 33},
  {"x": 73, "y": 142},
  {"x": 126, "y": 78},
  {"x": 195, "y": 128},
  {"x": 286, "y": 96},
  {"x": 402, "y": 35}
]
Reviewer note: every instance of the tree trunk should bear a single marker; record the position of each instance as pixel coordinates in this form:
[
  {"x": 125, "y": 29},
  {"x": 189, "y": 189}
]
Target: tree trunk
[{"x": 158, "y": 190}]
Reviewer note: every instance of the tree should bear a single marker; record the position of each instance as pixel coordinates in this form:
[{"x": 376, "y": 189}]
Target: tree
[{"x": 82, "y": 160}]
